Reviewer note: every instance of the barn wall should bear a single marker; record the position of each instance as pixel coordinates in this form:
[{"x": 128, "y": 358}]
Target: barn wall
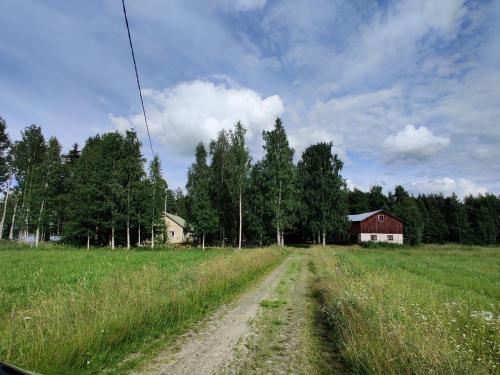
[
  {"x": 389, "y": 225},
  {"x": 381, "y": 237}
]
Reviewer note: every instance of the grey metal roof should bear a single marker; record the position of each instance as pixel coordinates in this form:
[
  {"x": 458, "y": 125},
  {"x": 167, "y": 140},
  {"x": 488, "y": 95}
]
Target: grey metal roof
[
  {"x": 179, "y": 220},
  {"x": 363, "y": 216}
]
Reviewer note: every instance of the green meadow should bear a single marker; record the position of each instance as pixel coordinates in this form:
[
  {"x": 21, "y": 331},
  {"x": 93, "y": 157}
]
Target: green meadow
[
  {"x": 431, "y": 309},
  {"x": 70, "y": 311}
]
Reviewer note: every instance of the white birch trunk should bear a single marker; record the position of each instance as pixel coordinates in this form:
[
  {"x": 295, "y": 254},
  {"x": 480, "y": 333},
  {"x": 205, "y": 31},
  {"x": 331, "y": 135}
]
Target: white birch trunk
[
  {"x": 7, "y": 193},
  {"x": 278, "y": 239},
  {"x": 11, "y": 232},
  {"x": 241, "y": 223},
  {"x": 139, "y": 234},
  {"x": 324, "y": 238},
  {"x": 152, "y": 236},
  {"x": 88, "y": 241},
  {"x": 113, "y": 237},
  {"x": 37, "y": 236},
  {"x": 203, "y": 242},
  {"x": 128, "y": 235},
  {"x": 282, "y": 239}
]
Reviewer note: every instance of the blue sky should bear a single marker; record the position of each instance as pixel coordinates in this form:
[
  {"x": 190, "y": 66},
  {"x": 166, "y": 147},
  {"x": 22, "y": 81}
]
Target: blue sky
[{"x": 408, "y": 91}]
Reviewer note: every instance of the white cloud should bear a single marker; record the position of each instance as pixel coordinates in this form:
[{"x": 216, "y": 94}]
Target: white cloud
[
  {"x": 447, "y": 186},
  {"x": 415, "y": 142},
  {"x": 302, "y": 137},
  {"x": 241, "y": 5},
  {"x": 182, "y": 116}
]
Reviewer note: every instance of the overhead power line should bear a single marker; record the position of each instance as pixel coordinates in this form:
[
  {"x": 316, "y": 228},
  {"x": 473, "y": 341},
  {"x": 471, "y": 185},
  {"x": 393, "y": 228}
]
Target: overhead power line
[{"x": 137, "y": 77}]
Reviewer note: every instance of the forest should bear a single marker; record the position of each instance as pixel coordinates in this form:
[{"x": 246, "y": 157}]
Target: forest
[{"x": 106, "y": 194}]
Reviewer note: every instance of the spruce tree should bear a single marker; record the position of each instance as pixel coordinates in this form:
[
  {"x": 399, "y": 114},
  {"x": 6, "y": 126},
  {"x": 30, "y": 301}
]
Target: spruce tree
[
  {"x": 157, "y": 187},
  {"x": 280, "y": 175},
  {"x": 323, "y": 191}
]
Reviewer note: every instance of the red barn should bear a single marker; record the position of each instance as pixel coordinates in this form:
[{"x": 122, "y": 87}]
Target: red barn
[{"x": 377, "y": 226}]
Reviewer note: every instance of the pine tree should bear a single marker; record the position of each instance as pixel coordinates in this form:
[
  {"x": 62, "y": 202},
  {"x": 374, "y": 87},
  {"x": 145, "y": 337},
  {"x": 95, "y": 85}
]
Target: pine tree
[
  {"x": 203, "y": 216},
  {"x": 280, "y": 174}
]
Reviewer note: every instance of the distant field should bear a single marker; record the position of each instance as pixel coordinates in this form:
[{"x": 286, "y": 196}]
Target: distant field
[
  {"x": 69, "y": 311},
  {"x": 424, "y": 310}
]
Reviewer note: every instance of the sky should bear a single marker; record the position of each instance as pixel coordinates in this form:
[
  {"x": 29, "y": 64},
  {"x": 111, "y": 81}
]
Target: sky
[{"x": 407, "y": 91}]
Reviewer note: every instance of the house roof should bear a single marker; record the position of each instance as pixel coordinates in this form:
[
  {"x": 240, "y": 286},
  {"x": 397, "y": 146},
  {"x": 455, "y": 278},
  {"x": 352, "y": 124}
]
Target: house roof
[
  {"x": 363, "y": 216},
  {"x": 179, "y": 220}
]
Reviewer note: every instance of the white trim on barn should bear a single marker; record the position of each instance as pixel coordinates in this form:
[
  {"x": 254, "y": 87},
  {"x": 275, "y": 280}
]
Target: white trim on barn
[{"x": 380, "y": 237}]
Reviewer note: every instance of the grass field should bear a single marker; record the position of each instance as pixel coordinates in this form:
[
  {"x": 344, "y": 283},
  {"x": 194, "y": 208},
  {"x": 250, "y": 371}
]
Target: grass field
[
  {"x": 433, "y": 309},
  {"x": 68, "y": 311}
]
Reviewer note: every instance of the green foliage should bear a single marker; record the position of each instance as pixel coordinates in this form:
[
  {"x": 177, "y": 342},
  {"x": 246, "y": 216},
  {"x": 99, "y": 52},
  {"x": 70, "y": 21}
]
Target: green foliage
[
  {"x": 279, "y": 179},
  {"x": 323, "y": 190},
  {"x": 202, "y": 216},
  {"x": 380, "y": 245},
  {"x": 4, "y": 154}
]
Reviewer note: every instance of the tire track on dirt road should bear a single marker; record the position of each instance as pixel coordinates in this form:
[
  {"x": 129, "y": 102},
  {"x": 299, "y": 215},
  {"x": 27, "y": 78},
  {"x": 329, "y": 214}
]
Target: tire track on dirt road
[{"x": 205, "y": 351}]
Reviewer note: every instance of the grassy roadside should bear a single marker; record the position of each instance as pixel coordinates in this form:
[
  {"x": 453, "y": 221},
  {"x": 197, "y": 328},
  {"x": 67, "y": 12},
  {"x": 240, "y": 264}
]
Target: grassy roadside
[
  {"x": 81, "y": 327},
  {"x": 430, "y": 310}
]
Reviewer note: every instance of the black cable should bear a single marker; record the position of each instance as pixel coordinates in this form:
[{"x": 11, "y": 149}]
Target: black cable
[{"x": 137, "y": 77}]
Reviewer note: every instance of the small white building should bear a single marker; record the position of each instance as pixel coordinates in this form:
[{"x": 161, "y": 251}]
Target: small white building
[{"x": 177, "y": 229}]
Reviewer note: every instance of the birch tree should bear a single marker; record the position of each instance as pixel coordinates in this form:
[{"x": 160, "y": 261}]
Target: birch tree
[
  {"x": 202, "y": 216},
  {"x": 219, "y": 189},
  {"x": 239, "y": 168},
  {"x": 28, "y": 157}
]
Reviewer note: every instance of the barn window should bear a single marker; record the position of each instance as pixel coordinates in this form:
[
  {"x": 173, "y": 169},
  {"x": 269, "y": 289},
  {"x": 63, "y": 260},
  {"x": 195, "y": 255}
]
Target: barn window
[
  {"x": 374, "y": 237},
  {"x": 381, "y": 218},
  {"x": 390, "y": 237}
]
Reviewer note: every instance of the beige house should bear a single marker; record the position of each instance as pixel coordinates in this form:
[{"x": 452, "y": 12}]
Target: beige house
[{"x": 177, "y": 229}]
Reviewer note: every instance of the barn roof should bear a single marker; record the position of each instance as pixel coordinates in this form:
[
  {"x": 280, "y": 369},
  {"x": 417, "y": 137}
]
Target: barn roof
[
  {"x": 179, "y": 220},
  {"x": 363, "y": 216}
]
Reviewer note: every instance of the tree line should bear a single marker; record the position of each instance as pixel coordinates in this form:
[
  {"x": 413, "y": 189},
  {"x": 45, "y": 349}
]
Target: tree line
[
  {"x": 106, "y": 195},
  {"x": 434, "y": 218}
]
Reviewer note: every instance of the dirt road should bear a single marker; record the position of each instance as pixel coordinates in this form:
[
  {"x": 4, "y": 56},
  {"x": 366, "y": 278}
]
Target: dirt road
[{"x": 267, "y": 330}]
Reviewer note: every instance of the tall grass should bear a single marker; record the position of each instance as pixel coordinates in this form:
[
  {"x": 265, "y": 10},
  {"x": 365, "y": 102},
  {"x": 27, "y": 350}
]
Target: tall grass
[
  {"x": 420, "y": 311},
  {"x": 83, "y": 330}
]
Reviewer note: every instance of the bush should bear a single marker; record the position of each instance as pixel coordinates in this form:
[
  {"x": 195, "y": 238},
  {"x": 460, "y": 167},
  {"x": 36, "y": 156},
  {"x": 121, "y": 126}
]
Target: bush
[{"x": 381, "y": 245}]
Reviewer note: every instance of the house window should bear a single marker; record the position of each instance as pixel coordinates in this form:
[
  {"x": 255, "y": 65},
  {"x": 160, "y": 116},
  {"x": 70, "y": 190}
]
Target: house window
[
  {"x": 374, "y": 237},
  {"x": 172, "y": 233},
  {"x": 390, "y": 237},
  {"x": 381, "y": 218}
]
